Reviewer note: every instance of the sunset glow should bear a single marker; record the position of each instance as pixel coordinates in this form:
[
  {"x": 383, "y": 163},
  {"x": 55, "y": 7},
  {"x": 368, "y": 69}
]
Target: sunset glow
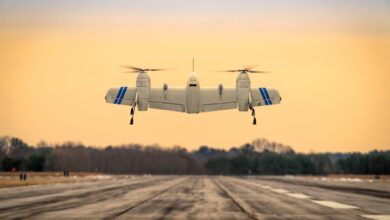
[{"x": 329, "y": 61}]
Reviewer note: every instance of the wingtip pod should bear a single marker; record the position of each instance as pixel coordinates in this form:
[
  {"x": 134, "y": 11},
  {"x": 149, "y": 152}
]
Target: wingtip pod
[
  {"x": 274, "y": 95},
  {"x": 110, "y": 95},
  {"x": 267, "y": 96},
  {"x": 117, "y": 95}
]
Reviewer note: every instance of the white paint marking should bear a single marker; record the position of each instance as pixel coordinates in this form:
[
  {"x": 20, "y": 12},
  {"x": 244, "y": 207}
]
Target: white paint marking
[
  {"x": 334, "y": 205},
  {"x": 377, "y": 217},
  {"x": 280, "y": 190},
  {"x": 299, "y": 195}
]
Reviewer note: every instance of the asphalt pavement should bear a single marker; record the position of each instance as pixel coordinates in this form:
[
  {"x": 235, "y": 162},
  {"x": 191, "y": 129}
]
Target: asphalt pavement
[{"x": 199, "y": 197}]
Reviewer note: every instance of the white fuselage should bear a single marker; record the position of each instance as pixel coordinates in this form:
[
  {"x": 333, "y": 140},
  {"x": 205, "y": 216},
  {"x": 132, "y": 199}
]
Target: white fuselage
[{"x": 193, "y": 94}]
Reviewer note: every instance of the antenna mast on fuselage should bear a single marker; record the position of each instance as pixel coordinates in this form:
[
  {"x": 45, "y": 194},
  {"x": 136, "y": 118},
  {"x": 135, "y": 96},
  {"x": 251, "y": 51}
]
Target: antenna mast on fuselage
[{"x": 193, "y": 65}]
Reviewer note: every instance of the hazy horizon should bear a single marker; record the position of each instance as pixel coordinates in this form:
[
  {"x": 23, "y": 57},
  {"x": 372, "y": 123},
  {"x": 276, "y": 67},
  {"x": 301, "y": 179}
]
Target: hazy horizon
[{"x": 329, "y": 60}]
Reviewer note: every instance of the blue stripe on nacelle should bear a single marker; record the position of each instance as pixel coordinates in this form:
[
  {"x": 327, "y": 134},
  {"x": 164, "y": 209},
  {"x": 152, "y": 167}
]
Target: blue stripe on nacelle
[
  {"x": 268, "y": 98},
  {"x": 123, "y": 94},
  {"x": 118, "y": 95},
  {"x": 263, "y": 95}
]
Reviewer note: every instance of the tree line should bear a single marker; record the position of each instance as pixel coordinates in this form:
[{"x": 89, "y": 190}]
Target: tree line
[
  {"x": 260, "y": 157},
  {"x": 270, "y": 163},
  {"x": 125, "y": 159}
]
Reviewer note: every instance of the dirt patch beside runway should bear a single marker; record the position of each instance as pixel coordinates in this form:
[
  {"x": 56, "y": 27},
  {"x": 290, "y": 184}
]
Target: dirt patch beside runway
[{"x": 11, "y": 179}]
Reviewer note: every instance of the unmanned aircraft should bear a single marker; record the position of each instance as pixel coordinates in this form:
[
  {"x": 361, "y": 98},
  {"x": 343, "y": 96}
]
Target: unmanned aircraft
[{"x": 192, "y": 98}]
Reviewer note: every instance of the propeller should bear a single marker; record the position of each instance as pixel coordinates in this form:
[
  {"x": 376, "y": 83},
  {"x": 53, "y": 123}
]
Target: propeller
[
  {"x": 247, "y": 69},
  {"x": 133, "y": 69}
]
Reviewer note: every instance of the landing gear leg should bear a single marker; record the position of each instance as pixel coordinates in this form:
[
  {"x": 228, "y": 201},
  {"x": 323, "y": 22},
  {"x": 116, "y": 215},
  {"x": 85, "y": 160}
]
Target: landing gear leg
[
  {"x": 132, "y": 111},
  {"x": 254, "y": 116}
]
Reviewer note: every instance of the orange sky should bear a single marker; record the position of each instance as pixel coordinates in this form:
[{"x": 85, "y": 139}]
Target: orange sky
[{"x": 332, "y": 69}]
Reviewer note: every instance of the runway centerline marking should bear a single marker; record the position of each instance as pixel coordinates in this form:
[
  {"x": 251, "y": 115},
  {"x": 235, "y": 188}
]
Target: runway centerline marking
[
  {"x": 335, "y": 205},
  {"x": 377, "y": 217}
]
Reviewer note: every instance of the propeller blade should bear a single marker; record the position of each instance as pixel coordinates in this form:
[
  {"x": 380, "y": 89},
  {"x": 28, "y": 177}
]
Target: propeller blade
[
  {"x": 135, "y": 69},
  {"x": 247, "y": 69},
  {"x": 230, "y": 71},
  {"x": 156, "y": 69},
  {"x": 256, "y": 71}
]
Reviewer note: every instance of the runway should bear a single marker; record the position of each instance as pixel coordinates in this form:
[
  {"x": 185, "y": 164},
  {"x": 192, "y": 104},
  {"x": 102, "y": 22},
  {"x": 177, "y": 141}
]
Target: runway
[{"x": 199, "y": 197}]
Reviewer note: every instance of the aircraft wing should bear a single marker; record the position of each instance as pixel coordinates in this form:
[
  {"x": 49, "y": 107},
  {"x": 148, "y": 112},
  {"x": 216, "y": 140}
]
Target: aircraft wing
[
  {"x": 121, "y": 96},
  {"x": 264, "y": 96},
  {"x": 173, "y": 99},
  {"x": 214, "y": 100}
]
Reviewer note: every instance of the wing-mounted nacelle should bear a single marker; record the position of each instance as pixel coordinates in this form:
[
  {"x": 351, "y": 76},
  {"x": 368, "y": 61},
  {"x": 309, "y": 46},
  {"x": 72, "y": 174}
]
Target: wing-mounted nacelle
[
  {"x": 141, "y": 95},
  {"x": 142, "y": 86},
  {"x": 143, "y": 91},
  {"x": 248, "y": 99},
  {"x": 243, "y": 85}
]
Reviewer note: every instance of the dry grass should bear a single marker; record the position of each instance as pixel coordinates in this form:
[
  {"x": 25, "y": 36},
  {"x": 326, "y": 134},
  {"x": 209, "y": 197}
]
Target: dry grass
[
  {"x": 350, "y": 176},
  {"x": 384, "y": 177},
  {"x": 11, "y": 179}
]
